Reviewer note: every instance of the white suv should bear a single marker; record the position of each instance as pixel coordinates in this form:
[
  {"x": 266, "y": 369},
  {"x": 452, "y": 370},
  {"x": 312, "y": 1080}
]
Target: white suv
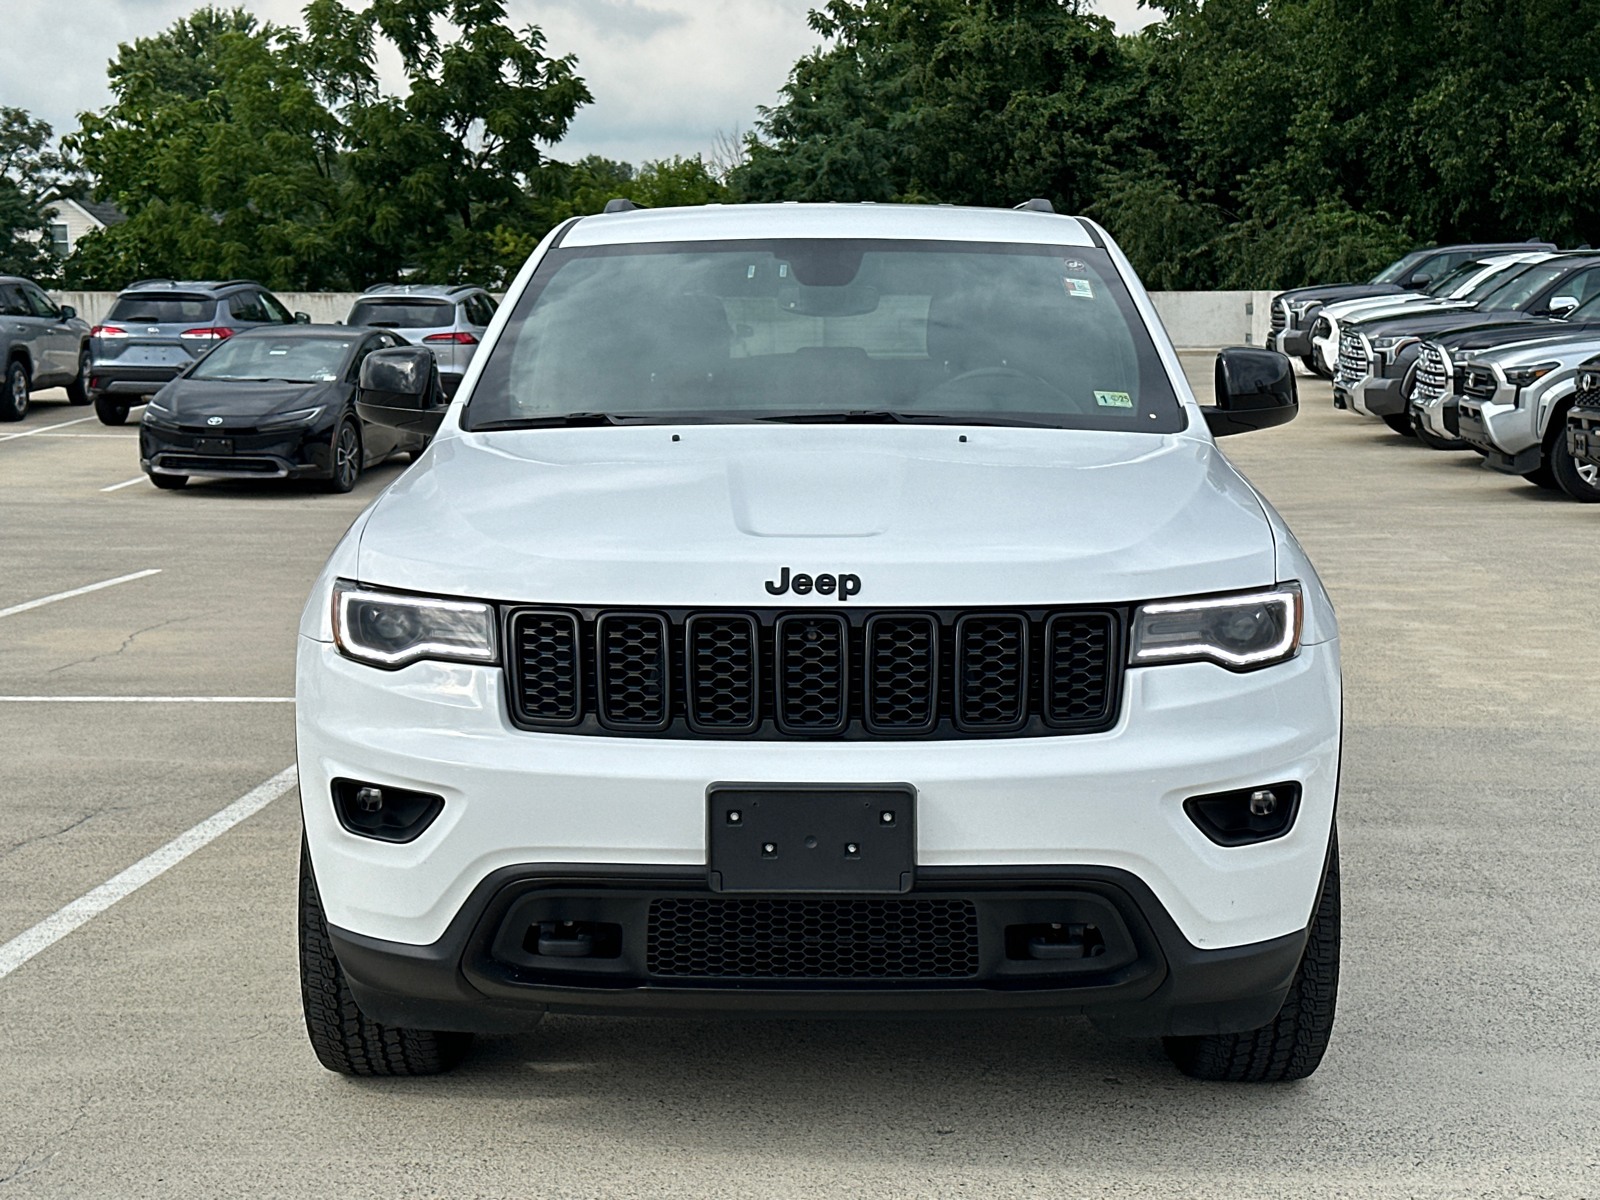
[{"x": 815, "y": 609}]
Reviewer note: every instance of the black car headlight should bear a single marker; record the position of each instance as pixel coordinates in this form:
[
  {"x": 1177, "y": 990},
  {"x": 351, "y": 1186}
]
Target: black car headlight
[
  {"x": 1240, "y": 631},
  {"x": 291, "y": 420},
  {"x": 389, "y": 629},
  {"x": 1524, "y": 376}
]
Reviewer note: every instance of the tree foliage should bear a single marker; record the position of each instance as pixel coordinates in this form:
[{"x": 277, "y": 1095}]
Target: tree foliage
[
  {"x": 31, "y": 175},
  {"x": 1235, "y": 143}
]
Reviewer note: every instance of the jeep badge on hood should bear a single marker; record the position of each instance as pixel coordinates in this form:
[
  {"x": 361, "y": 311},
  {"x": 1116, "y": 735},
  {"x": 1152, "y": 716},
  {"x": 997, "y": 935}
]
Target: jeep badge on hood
[{"x": 824, "y": 585}]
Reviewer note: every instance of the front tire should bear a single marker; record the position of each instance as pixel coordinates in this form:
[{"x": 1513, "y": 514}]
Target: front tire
[
  {"x": 168, "y": 483},
  {"x": 14, "y": 392},
  {"x": 78, "y": 389},
  {"x": 110, "y": 411},
  {"x": 1400, "y": 423},
  {"x": 1292, "y": 1045},
  {"x": 346, "y": 451},
  {"x": 1580, "y": 480},
  {"x": 345, "y": 1039}
]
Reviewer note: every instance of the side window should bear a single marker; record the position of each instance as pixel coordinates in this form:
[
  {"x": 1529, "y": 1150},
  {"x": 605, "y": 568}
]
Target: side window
[
  {"x": 484, "y": 310},
  {"x": 1579, "y": 287},
  {"x": 42, "y": 305},
  {"x": 366, "y": 348},
  {"x": 275, "y": 309},
  {"x": 11, "y": 302},
  {"x": 246, "y": 306}
]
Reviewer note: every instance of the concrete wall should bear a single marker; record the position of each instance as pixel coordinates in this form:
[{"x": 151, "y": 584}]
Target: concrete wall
[{"x": 1194, "y": 320}]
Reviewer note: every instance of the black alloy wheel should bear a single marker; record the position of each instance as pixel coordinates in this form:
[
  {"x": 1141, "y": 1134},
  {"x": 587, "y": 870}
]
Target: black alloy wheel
[
  {"x": 78, "y": 389},
  {"x": 346, "y": 451},
  {"x": 110, "y": 410},
  {"x": 14, "y": 396}
]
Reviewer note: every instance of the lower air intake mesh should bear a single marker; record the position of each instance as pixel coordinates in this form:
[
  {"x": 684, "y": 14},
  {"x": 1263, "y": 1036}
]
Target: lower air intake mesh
[{"x": 820, "y": 938}]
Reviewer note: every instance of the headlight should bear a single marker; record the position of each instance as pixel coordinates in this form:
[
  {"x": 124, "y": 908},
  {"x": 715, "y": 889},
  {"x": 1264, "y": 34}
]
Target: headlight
[
  {"x": 1387, "y": 345},
  {"x": 1522, "y": 376},
  {"x": 389, "y": 630},
  {"x": 1240, "y": 632},
  {"x": 302, "y": 416}
]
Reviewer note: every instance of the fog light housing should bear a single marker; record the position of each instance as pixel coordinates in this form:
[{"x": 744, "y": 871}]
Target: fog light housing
[
  {"x": 1246, "y": 816},
  {"x": 389, "y": 814}
]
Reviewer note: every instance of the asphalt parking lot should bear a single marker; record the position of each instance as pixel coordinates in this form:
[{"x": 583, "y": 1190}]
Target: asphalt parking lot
[{"x": 158, "y": 1050}]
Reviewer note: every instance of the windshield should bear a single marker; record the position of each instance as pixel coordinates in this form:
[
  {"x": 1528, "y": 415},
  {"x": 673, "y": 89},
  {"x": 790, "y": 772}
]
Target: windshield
[
  {"x": 1451, "y": 280},
  {"x": 163, "y": 309},
  {"x": 402, "y": 314},
  {"x": 1400, "y": 267},
  {"x": 293, "y": 360},
  {"x": 828, "y": 330},
  {"x": 1517, "y": 291},
  {"x": 1487, "y": 286}
]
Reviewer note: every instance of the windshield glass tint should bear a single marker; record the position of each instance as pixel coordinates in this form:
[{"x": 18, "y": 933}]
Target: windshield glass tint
[
  {"x": 309, "y": 360},
  {"x": 753, "y": 330},
  {"x": 1487, "y": 287},
  {"x": 163, "y": 310},
  {"x": 402, "y": 314},
  {"x": 1399, "y": 267},
  {"x": 1515, "y": 292},
  {"x": 1447, "y": 285}
]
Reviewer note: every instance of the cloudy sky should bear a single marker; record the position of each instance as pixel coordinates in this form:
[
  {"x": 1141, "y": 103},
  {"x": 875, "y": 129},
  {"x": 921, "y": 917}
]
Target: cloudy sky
[{"x": 667, "y": 75}]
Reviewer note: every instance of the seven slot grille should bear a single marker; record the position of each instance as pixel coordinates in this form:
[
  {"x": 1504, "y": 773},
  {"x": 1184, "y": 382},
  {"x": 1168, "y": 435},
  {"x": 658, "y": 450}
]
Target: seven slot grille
[{"x": 815, "y": 674}]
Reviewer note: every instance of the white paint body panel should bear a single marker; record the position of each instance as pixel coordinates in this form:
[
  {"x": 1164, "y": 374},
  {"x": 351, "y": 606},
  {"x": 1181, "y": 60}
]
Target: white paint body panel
[{"x": 627, "y": 516}]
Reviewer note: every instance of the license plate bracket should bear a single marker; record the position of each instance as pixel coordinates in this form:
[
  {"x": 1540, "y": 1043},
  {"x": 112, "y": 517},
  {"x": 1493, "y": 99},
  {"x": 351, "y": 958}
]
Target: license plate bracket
[
  {"x": 213, "y": 445},
  {"x": 811, "y": 838}
]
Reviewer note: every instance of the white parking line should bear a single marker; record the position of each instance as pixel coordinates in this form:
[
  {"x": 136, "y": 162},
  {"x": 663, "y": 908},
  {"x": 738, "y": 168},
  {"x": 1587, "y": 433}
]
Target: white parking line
[
  {"x": 11, "y": 437},
  {"x": 146, "y": 699},
  {"x": 126, "y": 483},
  {"x": 88, "y": 587},
  {"x": 91, "y": 904}
]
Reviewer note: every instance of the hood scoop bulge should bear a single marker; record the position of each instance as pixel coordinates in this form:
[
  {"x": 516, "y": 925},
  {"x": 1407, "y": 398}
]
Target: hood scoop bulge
[{"x": 815, "y": 494}]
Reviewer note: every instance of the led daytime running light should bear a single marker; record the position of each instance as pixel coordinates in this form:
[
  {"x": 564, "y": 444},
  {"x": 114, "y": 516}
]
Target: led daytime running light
[{"x": 1286, "y": 597}]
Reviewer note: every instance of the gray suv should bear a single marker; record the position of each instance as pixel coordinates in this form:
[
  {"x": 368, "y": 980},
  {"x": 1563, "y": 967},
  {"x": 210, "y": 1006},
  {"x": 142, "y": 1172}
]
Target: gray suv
[
  {"x": 449, "y": 320},
  {"x": 158, "y": 327},
  {"x": 44, "y": 345}
]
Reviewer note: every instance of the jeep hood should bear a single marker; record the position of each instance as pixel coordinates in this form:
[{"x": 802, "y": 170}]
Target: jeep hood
[{"x": 923, "y": 515}]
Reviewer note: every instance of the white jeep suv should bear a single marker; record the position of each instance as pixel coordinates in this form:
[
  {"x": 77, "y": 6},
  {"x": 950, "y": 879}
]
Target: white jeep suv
[{"x": 809, "y": 609}]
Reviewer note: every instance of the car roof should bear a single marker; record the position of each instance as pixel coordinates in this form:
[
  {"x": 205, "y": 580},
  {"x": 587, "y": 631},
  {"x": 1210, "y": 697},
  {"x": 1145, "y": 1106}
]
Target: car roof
[
  {"x": 898, "y": 222},
  {"x": 214, "y": 286},
  {"x": 307, "y": 332},
  {"x": 426, "y": 291}
]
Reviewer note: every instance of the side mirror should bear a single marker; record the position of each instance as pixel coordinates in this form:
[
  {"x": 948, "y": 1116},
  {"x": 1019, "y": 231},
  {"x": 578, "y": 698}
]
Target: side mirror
[
  {"x": 301, "y": 318},
  {"x": 1255, "y": 390},
  {"x": 400, "y": 388},
  {"x": 68, "y": 312},
  {"x": 1560, "y": 306},
  {"x": 1420, "y": 280}
]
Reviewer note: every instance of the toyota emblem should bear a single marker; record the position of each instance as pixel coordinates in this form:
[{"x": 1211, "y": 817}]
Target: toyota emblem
[{"x": 213, "y": 420}]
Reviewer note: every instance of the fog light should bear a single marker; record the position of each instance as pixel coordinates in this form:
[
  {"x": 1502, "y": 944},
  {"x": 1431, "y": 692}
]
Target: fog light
[
  {"x": 1246, "y": 816},
  {"x": 389, "y": 814}
]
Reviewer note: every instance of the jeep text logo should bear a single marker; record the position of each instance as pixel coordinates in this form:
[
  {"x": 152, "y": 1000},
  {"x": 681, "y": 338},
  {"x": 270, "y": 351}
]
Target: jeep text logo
[{"x": 824, "y": 585}]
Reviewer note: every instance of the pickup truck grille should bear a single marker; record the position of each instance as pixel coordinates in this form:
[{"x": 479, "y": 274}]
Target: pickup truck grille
[
  {"x": 1353, "y": 363},
  {"x": 1433, "y": 373},
  {"x": 1280, "y": 316},
  {"x": 815, "y": 673},
  {"x": 1479, "y": 383}
]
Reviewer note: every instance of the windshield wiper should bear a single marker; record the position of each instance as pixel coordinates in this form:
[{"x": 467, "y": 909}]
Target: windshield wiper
[
  {"x": 565, "y": 420},
  {"x": 866, "y": 416}
]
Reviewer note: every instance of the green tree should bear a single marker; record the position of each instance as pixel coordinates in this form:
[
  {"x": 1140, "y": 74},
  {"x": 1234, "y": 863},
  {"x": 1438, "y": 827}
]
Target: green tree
[{"x": 31, "y": 175}]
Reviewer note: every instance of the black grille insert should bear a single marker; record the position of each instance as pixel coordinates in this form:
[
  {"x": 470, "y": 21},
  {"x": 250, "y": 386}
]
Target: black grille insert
[
  {"x": 817, "y": 938},
  {"x": 723, "y": 691},
  {"x": 902, "y": 673},
  {"x": 1081, "y": 650},
  {"x": 544, "y": 647},
  {"x": 991, "y": 672},
  {"x": 813, "y": 680},
  {"x": 633, "y": 670}
]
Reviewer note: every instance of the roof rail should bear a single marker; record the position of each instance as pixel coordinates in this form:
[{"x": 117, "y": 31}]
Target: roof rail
[
  {"x": 1037, "y": 204},
  {"x": 236, "y": 283},
  {"x": 619, "y": 204},
  {"x": 139, "y": 283}
]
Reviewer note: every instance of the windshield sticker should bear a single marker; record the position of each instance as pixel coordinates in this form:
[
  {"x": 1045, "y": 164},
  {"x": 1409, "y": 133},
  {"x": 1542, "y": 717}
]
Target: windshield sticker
[
  {"x": 1079, "y": 287},
  {"x": 1073, "y": 264},
  {"x": 1113, "y": 399}
]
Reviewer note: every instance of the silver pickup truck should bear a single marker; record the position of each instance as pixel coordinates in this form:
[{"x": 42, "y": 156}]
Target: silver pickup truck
[{"x": 45, "y": 345}]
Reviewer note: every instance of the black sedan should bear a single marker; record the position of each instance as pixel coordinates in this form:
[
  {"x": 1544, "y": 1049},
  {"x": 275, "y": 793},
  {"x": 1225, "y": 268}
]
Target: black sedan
[{"x": 275, "y": 403}]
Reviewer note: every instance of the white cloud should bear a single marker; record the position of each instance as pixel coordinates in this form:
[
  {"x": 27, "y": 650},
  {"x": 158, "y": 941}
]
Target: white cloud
[{"x": 667, "y": 75}]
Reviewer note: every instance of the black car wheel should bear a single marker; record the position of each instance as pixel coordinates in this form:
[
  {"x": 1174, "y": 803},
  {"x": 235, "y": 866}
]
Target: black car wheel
[
  {"x": 110, "y": 410},
  {"x": 14, "y": 397},
  {"x": 78, "y": 389},
  {"x": 168, "y": 483},
  {"x": 346, "y": 451}
]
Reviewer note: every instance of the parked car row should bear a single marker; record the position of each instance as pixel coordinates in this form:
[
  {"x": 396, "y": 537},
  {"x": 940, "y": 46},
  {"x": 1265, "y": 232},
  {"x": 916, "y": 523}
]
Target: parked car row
[
  {"x": 1490, "y": 359},
  {"x": 234, "y": 384}
]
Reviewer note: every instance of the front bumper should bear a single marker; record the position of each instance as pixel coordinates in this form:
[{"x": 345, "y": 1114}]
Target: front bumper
[
  {"x": 1109, "y": 800},
  {"x": 223, "y": 454},
  {"x": 1296, "y": 343},
  {"x": 1583, "y": 435},
  {"x": 111, "y": 380},
  {"x": 1503, "y": 430},
  {"x": 481, "y": 976}
]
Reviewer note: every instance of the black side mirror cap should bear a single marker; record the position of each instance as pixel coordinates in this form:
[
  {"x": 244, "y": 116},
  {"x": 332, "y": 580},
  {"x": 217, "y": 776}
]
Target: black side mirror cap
[
  {"x": 68, "y": 312},
  {"x": 1255, "y": 389},
  {"x": 399, "y": 388},
  {"x": 301, "y": 318}
]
